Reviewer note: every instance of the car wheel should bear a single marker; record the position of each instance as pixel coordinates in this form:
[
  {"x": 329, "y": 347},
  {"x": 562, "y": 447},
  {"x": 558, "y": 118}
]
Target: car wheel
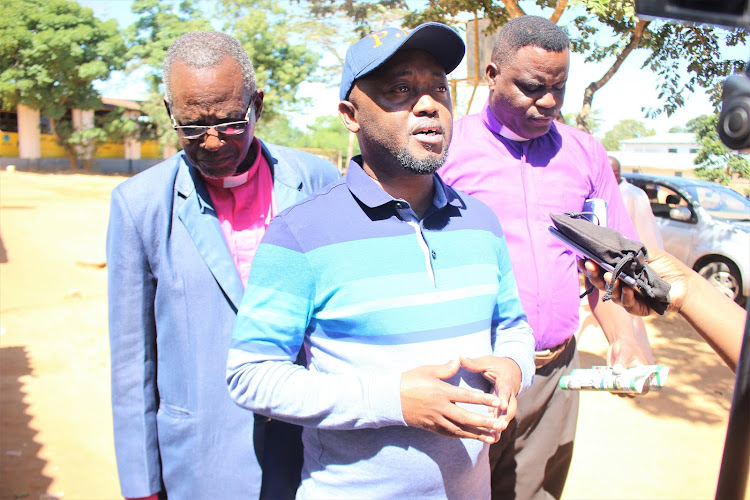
[{"x": 725, "y": 276}]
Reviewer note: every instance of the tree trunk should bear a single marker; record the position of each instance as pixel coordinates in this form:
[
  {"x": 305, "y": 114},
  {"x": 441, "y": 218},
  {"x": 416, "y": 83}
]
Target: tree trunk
[
  {"x": 582, "y": 120},
  {"x": 559, "y": 9},
  {"x": 513, "y": 8},
  {"x": 70, "y": 152}
]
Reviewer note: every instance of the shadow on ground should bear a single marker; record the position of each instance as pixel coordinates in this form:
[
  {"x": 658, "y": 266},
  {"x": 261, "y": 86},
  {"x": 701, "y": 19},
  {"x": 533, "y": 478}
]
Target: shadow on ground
[
  {"x": 699, "y": 387},
  {"x": 20, "y": 475}
]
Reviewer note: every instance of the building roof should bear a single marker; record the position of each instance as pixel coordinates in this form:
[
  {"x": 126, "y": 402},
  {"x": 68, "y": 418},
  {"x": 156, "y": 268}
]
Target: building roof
[
  {"x": 674, "y": 138},
  {"x": 662, "y": 161},
  {"x": 122, "y": 103}
]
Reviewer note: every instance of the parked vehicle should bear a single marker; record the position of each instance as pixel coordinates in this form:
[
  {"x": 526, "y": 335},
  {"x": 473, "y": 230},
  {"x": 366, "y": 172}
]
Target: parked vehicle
[{"x": 706, "y": 226}]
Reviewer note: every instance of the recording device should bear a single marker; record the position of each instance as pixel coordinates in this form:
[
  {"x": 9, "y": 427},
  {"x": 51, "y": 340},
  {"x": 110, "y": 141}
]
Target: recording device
[
  {"x": 595, "y": 210},
  {"x": 734, "y": 120},
  {"x": 583, "y": 253},
  {"x": 732, "y": 13}
]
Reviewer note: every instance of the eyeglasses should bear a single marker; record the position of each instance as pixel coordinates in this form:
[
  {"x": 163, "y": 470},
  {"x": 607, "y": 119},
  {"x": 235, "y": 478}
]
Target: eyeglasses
[{"x": 197, "y": 131}]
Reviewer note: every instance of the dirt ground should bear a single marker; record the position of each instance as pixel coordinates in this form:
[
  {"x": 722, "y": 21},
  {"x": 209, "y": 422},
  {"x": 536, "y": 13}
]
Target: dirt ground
[{"x": 55, "y": 424}]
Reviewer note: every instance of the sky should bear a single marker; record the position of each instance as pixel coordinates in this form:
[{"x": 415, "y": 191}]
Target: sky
[{"x": 623, "y": 97}]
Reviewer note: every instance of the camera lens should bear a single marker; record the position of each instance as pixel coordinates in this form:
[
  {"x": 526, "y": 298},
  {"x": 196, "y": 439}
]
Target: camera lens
[{"x": 734, "y": 120}]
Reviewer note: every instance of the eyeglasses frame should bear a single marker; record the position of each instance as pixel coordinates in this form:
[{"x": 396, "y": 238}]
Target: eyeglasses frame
[{"x": 208, "y": 127}]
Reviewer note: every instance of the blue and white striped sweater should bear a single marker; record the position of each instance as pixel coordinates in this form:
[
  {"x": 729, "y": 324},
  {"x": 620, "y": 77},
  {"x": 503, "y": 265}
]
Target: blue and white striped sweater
[{"x": 372, "y": 296}]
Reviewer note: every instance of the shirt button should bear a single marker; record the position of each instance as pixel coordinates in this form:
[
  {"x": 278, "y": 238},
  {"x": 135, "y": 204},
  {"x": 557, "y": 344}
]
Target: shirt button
[
  {"x": 434, "y": 255},
  {"x": 399, "y": 205}
]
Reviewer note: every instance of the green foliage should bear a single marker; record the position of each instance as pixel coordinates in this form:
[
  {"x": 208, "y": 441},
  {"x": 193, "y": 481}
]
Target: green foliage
[
  {"x": 625, "y": 129},
  {"x": 278, "y": 130},
  {"x": 262, "y": 27},
  {"x": 50, "y": 53},
  {"x": 673, "y": 49},
  {"x": 367, "y": 15},
  {"x": 714, "y": 161},
  {"x": 113, "y": 125},
  {"x": 160, "y": 22},
  {"x": 604, "y": 31},
  {"x": 594, "y": 122},
  {"x": 327, "y": 132},
  {"x": 281, "y": 64},
  {"x": 676, "y": 49},
  {"x": 159, "y": 122}
]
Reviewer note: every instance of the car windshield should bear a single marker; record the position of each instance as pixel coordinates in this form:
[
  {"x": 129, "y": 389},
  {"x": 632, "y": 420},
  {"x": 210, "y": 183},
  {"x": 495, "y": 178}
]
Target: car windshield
[{"x": 721, "y": 201}]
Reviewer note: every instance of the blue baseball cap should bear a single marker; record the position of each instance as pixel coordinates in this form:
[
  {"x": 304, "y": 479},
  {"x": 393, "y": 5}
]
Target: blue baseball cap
[{"x": 372, "y": 51}]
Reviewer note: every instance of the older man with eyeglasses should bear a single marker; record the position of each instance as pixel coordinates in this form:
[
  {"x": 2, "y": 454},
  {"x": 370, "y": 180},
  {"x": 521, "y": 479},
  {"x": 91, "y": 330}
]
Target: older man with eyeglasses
[{"x": 181, "y": 241}]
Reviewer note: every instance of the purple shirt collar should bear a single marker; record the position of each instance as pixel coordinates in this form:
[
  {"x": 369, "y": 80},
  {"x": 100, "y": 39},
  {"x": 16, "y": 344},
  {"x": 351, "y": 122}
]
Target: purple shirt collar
[{"x": 496, "y": 127}]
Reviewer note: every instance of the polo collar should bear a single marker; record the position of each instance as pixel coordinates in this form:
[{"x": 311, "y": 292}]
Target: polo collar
[{"x": 366, "y": 190}]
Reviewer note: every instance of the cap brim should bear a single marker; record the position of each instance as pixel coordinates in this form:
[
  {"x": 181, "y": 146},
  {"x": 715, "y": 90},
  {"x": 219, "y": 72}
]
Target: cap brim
[{"x": 445, "y": 45}]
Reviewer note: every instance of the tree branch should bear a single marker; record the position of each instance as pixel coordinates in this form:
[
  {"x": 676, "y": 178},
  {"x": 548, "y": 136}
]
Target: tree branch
[
  {"x": 513, "y": 8},
  {"x": 559, "y": 8},
  {"x": 588, "y": 94}
]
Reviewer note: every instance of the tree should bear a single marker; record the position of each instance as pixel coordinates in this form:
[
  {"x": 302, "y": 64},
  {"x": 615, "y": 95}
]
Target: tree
[
  {"x": 51, "y": 52},
  {"x": 281, "y": 62},
  {"x": 262, "y": 28},
  {"x": 112, "y": 126},
  {"x": 626, "y": 129},
  {"x": 714, "y": 161},
  {"x": 367, "y": 15},
  {"x": 670, "y": 46},
  {"x": 159, "y": 24},
  {"x": 327, "y": 132}
]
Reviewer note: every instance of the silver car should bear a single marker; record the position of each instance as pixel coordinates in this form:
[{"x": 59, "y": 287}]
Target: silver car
[{"x": 706, "y": 226}]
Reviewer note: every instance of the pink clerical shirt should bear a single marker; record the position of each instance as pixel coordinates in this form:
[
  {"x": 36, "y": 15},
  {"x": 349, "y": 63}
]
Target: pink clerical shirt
[{"x": 245, "y": 204}]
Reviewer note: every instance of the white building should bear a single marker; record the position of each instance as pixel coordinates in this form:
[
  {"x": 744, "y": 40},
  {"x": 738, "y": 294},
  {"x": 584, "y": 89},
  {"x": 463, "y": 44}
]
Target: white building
[{"x": 664, "y": 154}]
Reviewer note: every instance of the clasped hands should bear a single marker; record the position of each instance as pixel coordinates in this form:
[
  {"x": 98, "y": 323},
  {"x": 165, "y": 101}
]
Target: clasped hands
[{"x": 429, "y": 403}]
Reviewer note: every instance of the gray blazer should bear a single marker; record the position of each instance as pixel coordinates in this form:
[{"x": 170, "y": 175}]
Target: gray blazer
[{"x": 173, "y": 297}]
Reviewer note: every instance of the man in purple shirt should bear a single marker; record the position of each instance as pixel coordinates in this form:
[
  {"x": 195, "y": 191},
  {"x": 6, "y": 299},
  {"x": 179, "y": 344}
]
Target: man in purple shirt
[{"x": 523, "y": 164}]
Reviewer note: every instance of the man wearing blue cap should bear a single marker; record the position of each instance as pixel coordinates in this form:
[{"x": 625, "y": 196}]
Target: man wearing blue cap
[{"x": 401, "y": 292}]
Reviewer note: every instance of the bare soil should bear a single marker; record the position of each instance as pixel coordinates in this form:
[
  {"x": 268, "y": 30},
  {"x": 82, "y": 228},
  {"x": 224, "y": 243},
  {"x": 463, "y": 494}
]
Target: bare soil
[{"x": 55, "y": 423}]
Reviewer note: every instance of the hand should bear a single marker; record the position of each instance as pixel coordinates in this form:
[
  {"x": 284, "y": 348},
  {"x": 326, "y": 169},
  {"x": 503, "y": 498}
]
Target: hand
[
  {"x": 430, "y": 404},
  {"x": 665, "y": 265},
  {"x": 623, "y": 353},
  {"x": 505, "y": 376}
]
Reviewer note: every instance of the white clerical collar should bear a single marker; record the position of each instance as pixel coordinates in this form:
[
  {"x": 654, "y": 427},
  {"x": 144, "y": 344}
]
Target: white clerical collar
[
  {"x": 236, "y": 180},
  {"x": 509, "y": 134}
]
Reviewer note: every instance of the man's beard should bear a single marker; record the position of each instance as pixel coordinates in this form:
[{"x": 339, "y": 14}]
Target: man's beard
[{"x": 425, "y": 166}]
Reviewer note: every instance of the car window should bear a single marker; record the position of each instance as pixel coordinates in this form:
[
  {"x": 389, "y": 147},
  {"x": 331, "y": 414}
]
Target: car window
[
  {"x": 721, "y": 201},
  {"x": 662, "y": 198},
  {"x": 670, "y": 197}
]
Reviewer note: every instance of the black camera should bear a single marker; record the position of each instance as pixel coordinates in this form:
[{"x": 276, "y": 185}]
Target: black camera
[
  {"x": 733, "y": 13},
  {"x": 734, "y": 120}
]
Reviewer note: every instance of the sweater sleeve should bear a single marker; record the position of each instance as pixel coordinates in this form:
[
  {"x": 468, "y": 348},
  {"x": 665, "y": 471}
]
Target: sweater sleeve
[{"x": 511, "y": 334}]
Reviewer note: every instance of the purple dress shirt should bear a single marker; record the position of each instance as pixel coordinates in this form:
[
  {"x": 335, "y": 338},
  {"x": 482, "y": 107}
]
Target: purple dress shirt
[{"x": 524, "y": 181}]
